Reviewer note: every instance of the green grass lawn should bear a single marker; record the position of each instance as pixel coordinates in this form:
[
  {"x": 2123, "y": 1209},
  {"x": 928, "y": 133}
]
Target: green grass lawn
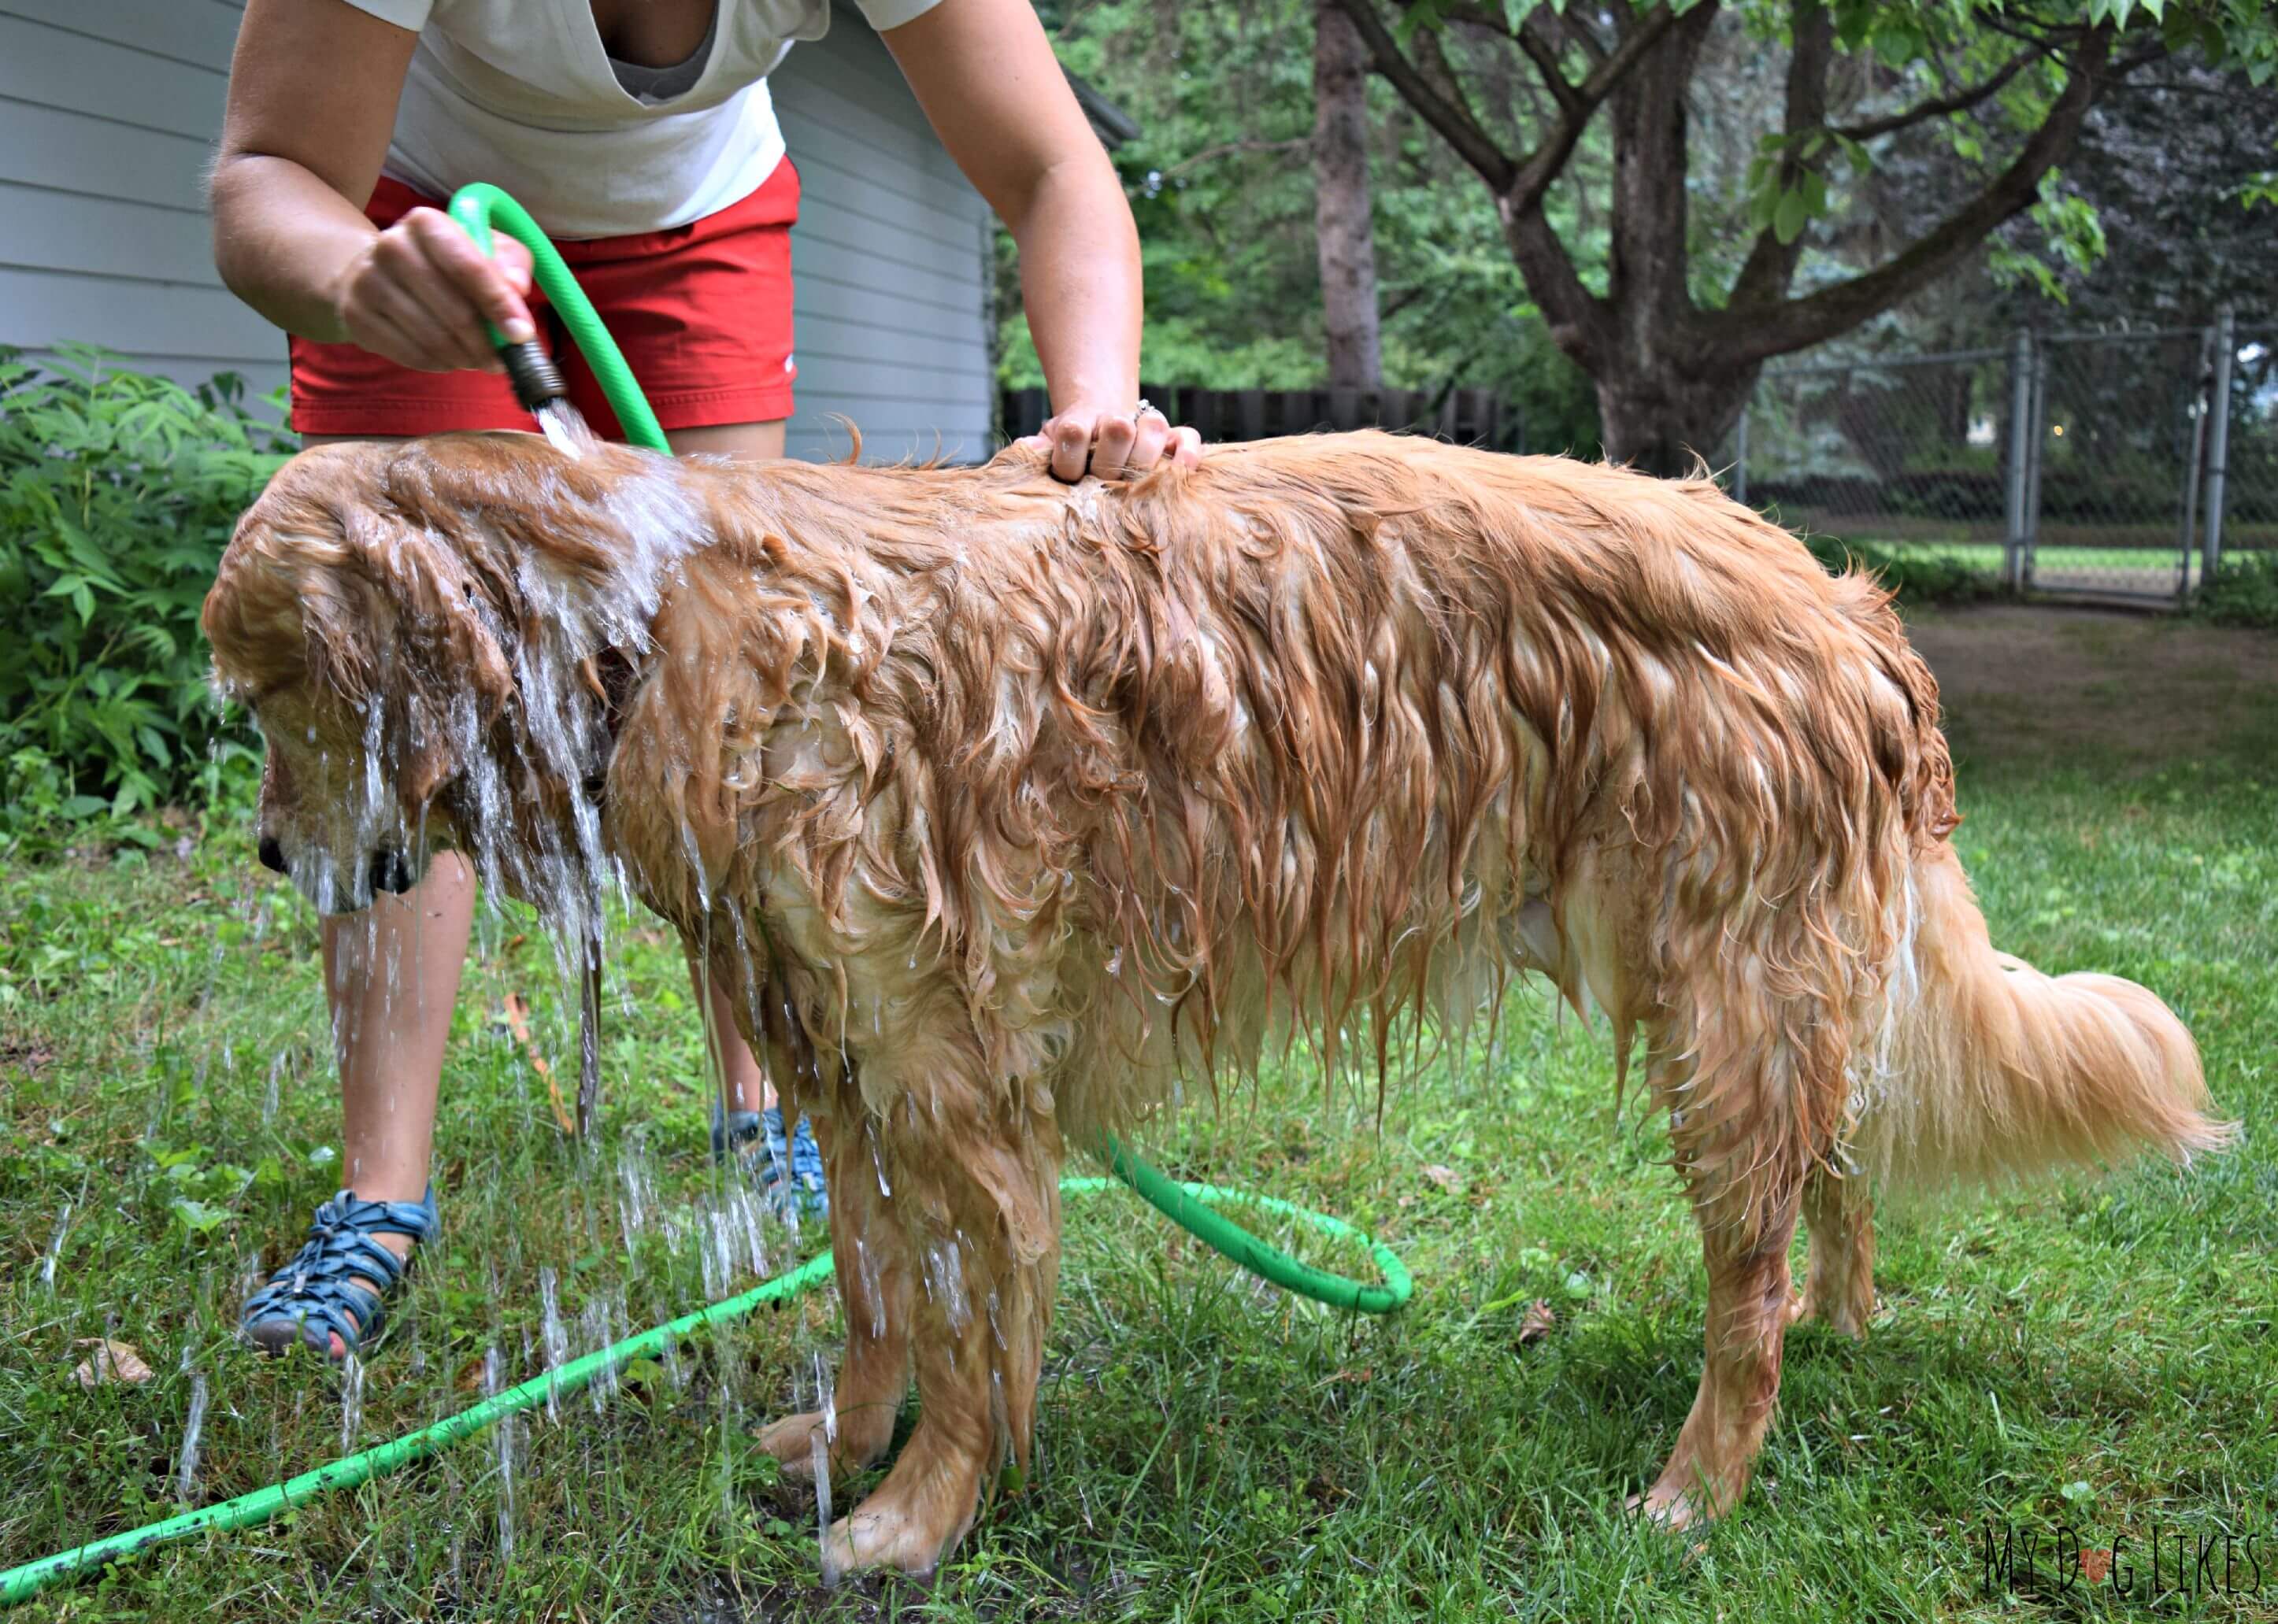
[{"x": 2098, "y": 1354}]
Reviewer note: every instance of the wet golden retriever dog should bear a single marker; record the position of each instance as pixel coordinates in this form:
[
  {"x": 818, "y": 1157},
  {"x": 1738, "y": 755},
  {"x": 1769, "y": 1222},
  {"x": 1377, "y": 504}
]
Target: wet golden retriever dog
[{"x": 1007, "y": 803}]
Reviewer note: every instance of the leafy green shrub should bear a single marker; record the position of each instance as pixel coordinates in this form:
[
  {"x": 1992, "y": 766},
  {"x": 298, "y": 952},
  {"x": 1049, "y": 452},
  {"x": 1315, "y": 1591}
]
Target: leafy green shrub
[
  {"x": 1916, "y": 576},
  {"x": 118, "y": 492},
  {"x": 2243, "y": 593}
]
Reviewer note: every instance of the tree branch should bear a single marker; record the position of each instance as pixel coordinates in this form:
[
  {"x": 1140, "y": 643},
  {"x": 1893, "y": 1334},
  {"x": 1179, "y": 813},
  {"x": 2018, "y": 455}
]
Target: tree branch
[
  {"x": 1960, "y": 101},
  {"x": 1296, "y": 143},
  {"x": 1747, "y": 335},
  {"x": 1770, "y": 264},
  {"x": 1576, "y": 317},
  {"x": 1454, "y": 123},
  {"x": 1528, "y": 37}
]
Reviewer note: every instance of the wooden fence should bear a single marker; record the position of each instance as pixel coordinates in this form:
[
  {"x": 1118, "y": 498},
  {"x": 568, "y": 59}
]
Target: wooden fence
[{"x": 1469, "y": 417}]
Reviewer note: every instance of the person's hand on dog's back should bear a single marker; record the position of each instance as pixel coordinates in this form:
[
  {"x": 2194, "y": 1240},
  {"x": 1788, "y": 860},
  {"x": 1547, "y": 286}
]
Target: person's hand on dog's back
[{"x": 1113, "y": 444}]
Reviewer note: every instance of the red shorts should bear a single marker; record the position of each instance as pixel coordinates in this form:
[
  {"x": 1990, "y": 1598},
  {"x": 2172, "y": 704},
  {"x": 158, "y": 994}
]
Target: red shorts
[{"x": 702, "y": 312}]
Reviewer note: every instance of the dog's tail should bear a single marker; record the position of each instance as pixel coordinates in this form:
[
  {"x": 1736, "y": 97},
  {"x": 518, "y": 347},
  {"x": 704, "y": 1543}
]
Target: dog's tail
[{"x": 1987, "y": 1069}]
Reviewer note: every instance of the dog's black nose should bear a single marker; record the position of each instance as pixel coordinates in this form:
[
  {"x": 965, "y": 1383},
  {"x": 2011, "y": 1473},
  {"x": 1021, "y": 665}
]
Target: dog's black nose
[
  {"x": 390, "y": 873},
  {"x": 272, "y": 855}
]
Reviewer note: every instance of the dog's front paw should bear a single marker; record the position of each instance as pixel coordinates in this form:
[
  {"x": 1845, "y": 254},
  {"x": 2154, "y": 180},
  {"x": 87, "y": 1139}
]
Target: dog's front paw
[
  {"x": 878, "y": 1534},
  {"x": 1673, "y": 1509},
  {"x": 863, "y": 1435}
]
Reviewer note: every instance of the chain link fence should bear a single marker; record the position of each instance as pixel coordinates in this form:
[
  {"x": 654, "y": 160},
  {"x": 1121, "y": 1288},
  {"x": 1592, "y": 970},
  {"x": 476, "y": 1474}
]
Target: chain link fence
[{"x": 2080, "y": 463}]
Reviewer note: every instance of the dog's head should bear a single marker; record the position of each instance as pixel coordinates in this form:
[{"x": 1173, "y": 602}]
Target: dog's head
[{"x": 429, "y": 635}]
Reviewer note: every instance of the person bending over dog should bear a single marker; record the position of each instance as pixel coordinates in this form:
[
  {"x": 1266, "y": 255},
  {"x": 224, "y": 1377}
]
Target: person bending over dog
[{"x": 640, "y": 132}]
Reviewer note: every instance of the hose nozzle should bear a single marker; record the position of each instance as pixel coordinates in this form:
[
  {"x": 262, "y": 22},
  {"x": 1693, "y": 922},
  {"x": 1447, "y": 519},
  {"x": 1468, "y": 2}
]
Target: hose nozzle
[{"x": 537, "y": 380}]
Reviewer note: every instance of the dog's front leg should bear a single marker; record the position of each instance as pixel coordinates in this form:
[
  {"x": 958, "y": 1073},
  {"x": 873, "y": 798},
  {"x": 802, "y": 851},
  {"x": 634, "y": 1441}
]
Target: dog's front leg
[
  {"x": 875, "y": 1274},
  {"x": 975, "y": 1191}
]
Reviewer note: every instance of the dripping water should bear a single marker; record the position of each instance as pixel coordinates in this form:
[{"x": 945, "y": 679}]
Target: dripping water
[
  {"x": 351, "y": 1402},
  {"x": 565, "y": 429},
  {"x": 55, "y": 1248},
  {"x": 187, "y": 1470},
  {"x": 491, "y": 1382},
  {"x": 557, "y": 1339}
]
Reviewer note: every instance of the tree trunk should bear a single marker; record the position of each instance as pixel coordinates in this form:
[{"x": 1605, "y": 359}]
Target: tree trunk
[
  {"x": 1663, "y": 423},
  {"x": 1343, "y": 223}
]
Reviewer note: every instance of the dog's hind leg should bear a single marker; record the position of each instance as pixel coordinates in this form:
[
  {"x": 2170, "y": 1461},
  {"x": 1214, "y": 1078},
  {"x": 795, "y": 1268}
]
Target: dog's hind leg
[
  {"x": 876, "y": 1286},
  {"x": 1838, "y": 1283},
  {"x": 1743, "y": 1103}
]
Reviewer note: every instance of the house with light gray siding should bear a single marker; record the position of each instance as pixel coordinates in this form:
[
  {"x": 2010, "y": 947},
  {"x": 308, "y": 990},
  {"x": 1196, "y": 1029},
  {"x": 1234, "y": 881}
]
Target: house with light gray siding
[{"x": 109, "y": 110}]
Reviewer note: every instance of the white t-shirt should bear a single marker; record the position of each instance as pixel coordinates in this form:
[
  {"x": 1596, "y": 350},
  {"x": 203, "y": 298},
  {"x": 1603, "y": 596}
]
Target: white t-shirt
[{"x": 521, "y": 93}]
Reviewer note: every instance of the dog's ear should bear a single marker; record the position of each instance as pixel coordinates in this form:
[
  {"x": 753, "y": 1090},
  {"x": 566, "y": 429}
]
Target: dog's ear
[{"x": 331, "y": 589}]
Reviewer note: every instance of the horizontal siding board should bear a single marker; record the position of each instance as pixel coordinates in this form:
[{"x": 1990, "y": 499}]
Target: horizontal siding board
[
  {"x": 831, "y": 282},
  {"x": 62, "y": 231},
  {"x": 200, "y": 35},
  {"x": 881, "y": 241},
  {"x": 40, "y": 307},
  {"x": 887, "y": 263},
  {"x": 891, "y": 447},
  {"x": 843, "y": 74},
  {"x": 829, "y": 174},
  {"x": 50, "y": 68},
  {"x": 72, "y": 152},
  {"x": 904, "y": 345}
]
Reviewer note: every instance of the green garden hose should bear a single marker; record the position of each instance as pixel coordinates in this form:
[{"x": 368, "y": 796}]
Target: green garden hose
[
  {"x": 478, "y": 208},
  {"x": 1185, "y": 1204}
]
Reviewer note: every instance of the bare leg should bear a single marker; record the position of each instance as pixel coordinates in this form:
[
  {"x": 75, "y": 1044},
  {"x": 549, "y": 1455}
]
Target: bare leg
[
  {"x": 744, "y": 1083},
  {"x": 1839, "y": 1282},
  {"x": 876, "y": 1285},
  {"x": 392, "y": 979}
]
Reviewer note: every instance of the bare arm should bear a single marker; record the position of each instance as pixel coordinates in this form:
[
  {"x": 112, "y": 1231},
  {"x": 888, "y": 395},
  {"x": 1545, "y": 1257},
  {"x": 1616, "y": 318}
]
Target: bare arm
[
  {"x": 985, "y": 75},
  {"x": 312, "y": 95}
]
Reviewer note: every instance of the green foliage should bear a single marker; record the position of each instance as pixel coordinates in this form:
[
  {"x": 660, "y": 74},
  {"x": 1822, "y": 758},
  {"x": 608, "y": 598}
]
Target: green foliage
[
  {"x": 118, "y": 492},
  {"x": 2243, "y": 593},
  {"x": 1220, "y": 185},
  {"x": 2072, "y": 235}
]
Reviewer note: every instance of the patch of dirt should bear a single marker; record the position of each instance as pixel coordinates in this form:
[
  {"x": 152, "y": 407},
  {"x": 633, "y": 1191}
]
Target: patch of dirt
[{"x": 2035, "y": 685}]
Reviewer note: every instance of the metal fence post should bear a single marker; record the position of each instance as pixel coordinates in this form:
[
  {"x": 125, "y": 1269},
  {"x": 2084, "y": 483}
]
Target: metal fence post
[
  {"x": 1740, "y": 459},
  {"x": 2037, "y": 430},
  {"x": 2189, "y": 529},
  {"x": 2226, "y": 348},
  {"x": 2021, "y": 448}
]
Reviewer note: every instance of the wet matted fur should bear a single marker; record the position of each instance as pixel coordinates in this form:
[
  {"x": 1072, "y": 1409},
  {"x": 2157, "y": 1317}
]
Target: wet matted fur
[{"x": 1005, "y": 804}]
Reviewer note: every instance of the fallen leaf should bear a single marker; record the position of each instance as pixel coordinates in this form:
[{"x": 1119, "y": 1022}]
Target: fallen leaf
[
  {"x": 517, "y": 1018},
  {"x": 1536, "y": 1323},
  {"x": 1444, "y": 1177},
  {"x": 2094, "y": 1565},
  {"x": 111, "y": 1362}
]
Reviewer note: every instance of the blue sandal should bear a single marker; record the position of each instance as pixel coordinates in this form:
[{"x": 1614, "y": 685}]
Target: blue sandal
[
  {"x": 319, "y": 1294},
  {"x": 790, "y": 1169}
]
